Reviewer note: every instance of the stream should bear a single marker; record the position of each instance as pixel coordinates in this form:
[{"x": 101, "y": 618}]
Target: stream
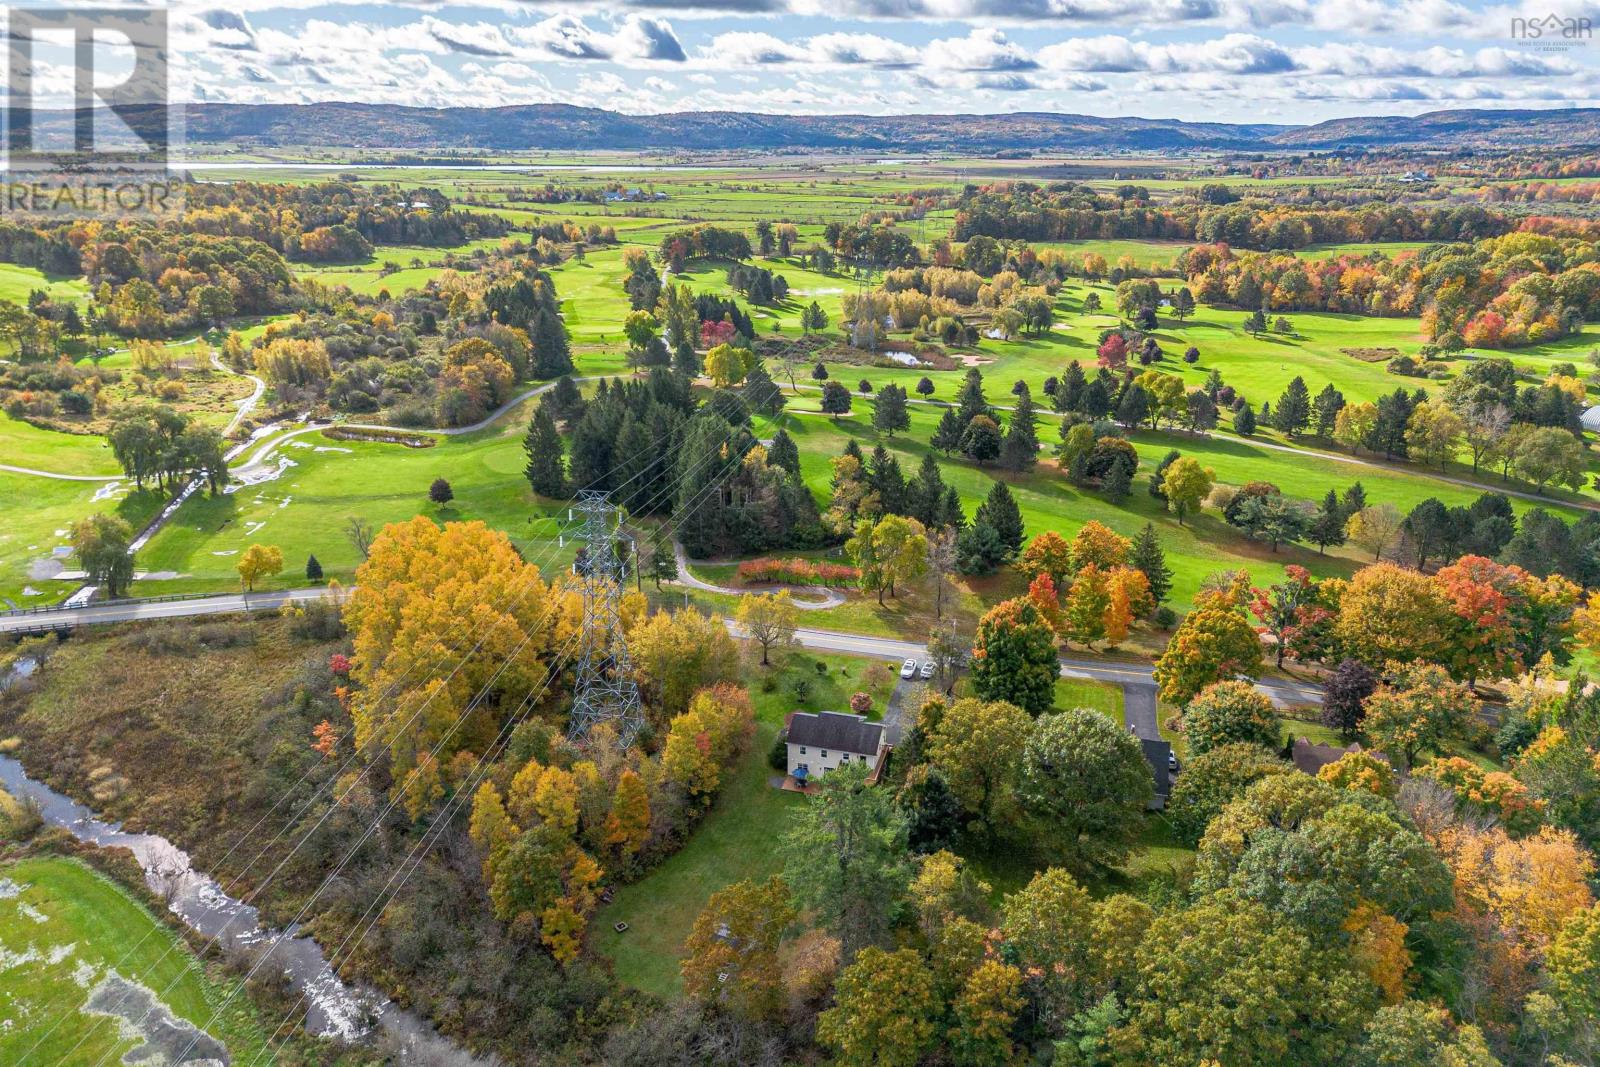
[{"x": 333, "y": 1009}]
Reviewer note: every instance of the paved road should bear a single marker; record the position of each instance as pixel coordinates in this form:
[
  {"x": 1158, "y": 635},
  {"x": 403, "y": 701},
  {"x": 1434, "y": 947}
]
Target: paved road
[{"x": 1135, "y": 678}]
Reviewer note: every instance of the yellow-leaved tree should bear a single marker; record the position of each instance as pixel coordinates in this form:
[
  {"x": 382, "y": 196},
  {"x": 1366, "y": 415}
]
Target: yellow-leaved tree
[{"x": 438, "y": 615}]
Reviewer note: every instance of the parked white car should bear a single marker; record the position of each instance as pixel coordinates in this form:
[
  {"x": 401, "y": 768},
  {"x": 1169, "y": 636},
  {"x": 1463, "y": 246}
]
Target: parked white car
[
  {"x": 927, "y": 669},
  {"x": 908, "y": 669}
]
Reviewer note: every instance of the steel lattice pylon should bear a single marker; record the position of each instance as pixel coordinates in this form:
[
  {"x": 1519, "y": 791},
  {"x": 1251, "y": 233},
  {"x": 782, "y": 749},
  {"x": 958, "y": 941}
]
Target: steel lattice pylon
[{"x": 604, "y": 690}]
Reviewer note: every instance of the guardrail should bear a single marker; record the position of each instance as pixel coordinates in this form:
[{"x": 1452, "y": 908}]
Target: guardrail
[{"x": 46, "y": 609}]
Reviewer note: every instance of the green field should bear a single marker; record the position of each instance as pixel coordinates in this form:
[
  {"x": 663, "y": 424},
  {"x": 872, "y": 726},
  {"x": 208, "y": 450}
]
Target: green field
[
  {"x": 17, "y": 282},
  {"x": 65, "y": 930},
  {"x": 35, "y": 531},
  {"x": 736, "y": 839}
]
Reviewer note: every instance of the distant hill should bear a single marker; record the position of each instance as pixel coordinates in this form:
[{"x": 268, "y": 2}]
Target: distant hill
[
  {"x": 1557, "y": 128},
  {"x": 563, "y": 127}
]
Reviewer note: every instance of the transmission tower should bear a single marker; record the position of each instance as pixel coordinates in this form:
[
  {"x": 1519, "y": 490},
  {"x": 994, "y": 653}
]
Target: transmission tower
[{"x": 605, "y": 690}]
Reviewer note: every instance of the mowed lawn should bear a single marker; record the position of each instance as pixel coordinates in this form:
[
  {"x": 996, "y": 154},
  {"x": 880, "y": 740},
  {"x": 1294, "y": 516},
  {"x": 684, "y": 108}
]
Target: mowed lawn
[
  {"x": 23, "y": 444},
  {"x": 305, "y": 509},
  {"x": 35, "y": 517},
  {"x": 63, "y": 930},
  {"x": 18, "y": 282},
  {"x": 738, "y": 838}
]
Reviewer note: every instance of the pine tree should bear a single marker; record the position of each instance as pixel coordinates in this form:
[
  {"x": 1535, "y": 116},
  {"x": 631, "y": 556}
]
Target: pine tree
[
  {"x": 1147, "y": 556},
  {"x": 761, "y": 393},
  {"x": 1327, "y": 526},
  {"x": 783, "y": 453},
  {"x": 999, "y": 511},
  {"x": 313, "y": 569},
  {"x": 1329, "y": 403},
  {"x": 1069, "y": 390},
  {"x": 546, "y": 470},
  {"x": 552, "y": 354},
  {"x": 1354, "y": 500},
  {"x": 885, "y": 478},
  {"x": 889, "y": 410},
  {"x": 1134, "y": 406},
  {"x": 1293, "y": 412},
  {"x": 951, "y": 514},
  {"x": 1020, "y": 449},
  {"x": 947, "y": 435},
  {"x": 1244, "y": 422},
  {"x": 925, "y": 495},
  {"x": 970, "y": 402},
  {"x": 1117, "y": 482},
  {"x": 663, "y": 561}
]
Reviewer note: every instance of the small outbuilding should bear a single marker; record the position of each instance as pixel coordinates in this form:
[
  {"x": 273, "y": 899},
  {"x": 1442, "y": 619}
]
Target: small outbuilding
[
  {"x": 1591, "y": 419},
  {"x": 824, "y": 740}
]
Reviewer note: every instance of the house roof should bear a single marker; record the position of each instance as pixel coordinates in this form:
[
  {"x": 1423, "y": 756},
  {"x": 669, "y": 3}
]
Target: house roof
[
  {"x": 1312, "y": 758},
  {"x": 835, "y": 730},
  {"x": 1155, "y": 754}
]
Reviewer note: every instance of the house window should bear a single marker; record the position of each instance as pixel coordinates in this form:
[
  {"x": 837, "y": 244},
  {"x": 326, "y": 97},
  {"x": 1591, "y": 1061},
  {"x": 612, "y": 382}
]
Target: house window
[
  {"x": 803, "y": 750},
  {"x": 844, "y": 757},
  {"x": 824, "y": 753}
]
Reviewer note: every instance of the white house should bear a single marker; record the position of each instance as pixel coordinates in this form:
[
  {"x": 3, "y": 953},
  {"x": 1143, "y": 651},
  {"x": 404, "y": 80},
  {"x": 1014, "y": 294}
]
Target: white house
[{"x": 820, "y": 742}]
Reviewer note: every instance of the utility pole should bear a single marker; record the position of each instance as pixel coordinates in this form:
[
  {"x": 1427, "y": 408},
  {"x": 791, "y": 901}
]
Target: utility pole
[{"x": 605, "y": 690}]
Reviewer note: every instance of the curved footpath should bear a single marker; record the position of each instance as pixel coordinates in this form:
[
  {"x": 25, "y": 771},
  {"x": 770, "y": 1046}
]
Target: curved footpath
[{"x": 831, "y": 598}]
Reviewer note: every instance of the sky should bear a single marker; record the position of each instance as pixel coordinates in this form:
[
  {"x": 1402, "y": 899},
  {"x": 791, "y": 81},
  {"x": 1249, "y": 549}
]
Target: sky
[{"x": 1279, "y": 61}]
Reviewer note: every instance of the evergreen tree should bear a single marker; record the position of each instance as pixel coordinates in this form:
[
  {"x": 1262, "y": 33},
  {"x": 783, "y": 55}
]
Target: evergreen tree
[
  {"x": 1389, "y": 429},
  {"x": 885, "y": 479},
  {"x": 926, "y": 492},
  {"x": 546, "y": 469},
  {"x": 1096, "y": 401},
  {"x": 1244, "y": 422},
  {"x": 1327, "y": 526},
  {"x": 566, "y": 399},
  {"x": 663, "y": 561},
  {"x": 970, "y": 402},
  {"x": 1159, "y": 475},
  {"x": 1182, "y": 303},
  {"x": 552, "y": 354},
  {"x": 761, "y": 393},
  {"x": 979, "y": 549},
  {"x": 1148, "y": 557},
  {"x": 951, "y": 514},
  {"x": 1117, "y": 482},
  {"x": 1000, "y": 512},
  {"x": 1069, "y": 390},
  {"x": 1134, "y": 406},
  {"x": 1020, "y": 449},
  {"x": 1293, "y": 412},
  {"x": 1329, "y": 403},
  {"x": 889, "y": 410},
  {"x": 313, "y": 569},
  {"x": 783, "y": 453},
  {"x": 947, "y": 435},
  {"x": 1354, "y": 500},
  {"x": 685, "y": 360}
]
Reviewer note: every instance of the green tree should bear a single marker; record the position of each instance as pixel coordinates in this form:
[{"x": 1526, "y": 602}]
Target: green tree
[
  {"x": 985, "y": 1013},
  {"x": 844, "y": 855},
  {"x": 1292, "y": 414},
  {"x": 730, "y": 958},
  {"x": 947, "y": 435},
  {"x": 1225, "y": 981},
  {"x": 101, "y": 545},
  {"x": 1014, "y": 656},
  {"x": 1048, "y": 926},
  {"x": 313, "y": 569},
  {"x": 884, "y": 1012},
  {"x": 977, "y": 746},
  {"x": 1185, "y": 486},
  {"x": 981, "y": 440},
  {"x": 1417, "y": 710},
  {"x": 1147, "y": 557},
  {"x": 546, "y": 468},
  {"x": 1087, "y": 784},
  {"x": 813, "y": 319},
  {"x": 1212, "y": 781},
  {"x": 890, "y": 412},
  {"x": 835, "y": 399},
  {"x": 1227, "y": 712},
  {"x": 999, "y": 510},
  {"x": 1019, "y": 451}
]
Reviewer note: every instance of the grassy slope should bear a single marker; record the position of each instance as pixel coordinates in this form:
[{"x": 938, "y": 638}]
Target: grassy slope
[
  {"x": 41, "y": 512},
  {"x": 737, "y": 838},
  {"x": 99, "y": 925}
]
